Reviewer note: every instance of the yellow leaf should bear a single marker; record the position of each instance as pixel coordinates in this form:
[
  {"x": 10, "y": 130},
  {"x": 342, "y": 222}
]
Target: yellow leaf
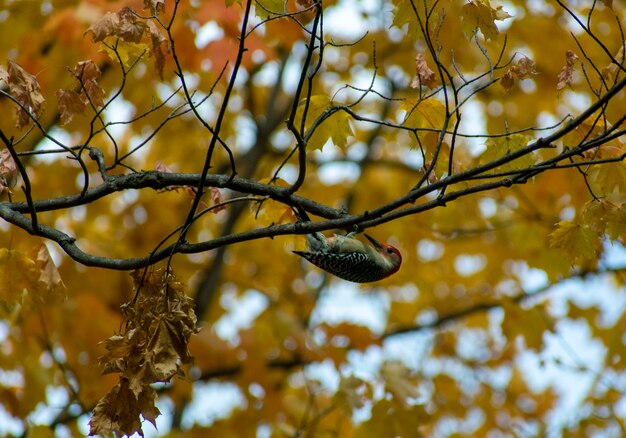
[
  {"x": 128, "y": 52},
  {"x": 398, "y": 381},
  {"x": 265, "y": 9},
  {"x": 271, "y": 212},
  {"x": 609, "y": 178},
  {"x": 389, "y": 419},
  {"x": 580, "y": 242},
  {"x": 528, "y": 323},
  {"x": 350, "y": 394},
  {"x": 40, "y": 432},
  {"x": 429, "y": 116},
  {"x": 478, "y": 14},
  {"x": 336, "y": 127},
  {"x": 18, "y": 277},
  {"x": 605, "y": 217},
  {"x": 501, "y": 146}
]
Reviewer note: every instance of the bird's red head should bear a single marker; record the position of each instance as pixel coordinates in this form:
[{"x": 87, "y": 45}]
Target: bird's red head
[{"x": 390, "y": 253}]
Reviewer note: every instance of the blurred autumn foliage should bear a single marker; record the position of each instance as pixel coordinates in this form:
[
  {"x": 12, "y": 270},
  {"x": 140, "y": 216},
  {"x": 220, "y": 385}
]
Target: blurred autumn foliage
[{"x": 151, "y": 157}]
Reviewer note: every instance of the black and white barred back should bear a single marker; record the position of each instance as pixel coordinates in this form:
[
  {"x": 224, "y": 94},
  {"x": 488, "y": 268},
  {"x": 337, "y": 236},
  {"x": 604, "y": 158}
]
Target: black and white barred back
[{"x": 356, "y": 267}]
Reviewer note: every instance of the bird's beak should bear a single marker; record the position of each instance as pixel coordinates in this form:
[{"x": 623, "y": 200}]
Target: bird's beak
[{"x": 377, "y": 245}]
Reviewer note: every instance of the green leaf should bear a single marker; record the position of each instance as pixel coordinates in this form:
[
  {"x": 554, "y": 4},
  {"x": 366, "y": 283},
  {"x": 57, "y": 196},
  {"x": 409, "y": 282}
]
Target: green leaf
[{"x": 265, "y": 9}]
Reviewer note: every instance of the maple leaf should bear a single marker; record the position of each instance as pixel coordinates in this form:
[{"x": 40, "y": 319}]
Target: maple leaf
[
  {"x": 425, "y": 76},
  {"x": 529, "y": 323},
  {"x": 265, "y": 9},
  {"x": 50, "y": 282},
  {"x": 567, "y": 72},
  {"x": 70, "y": 103},
  {"x": 350, "y": 394},
  {"x": 523, "y": 69},
  {"x": 579, "y": 241},
  {"x": 8, "y": 171},
  {"x": 605, "y": 216},
  {"x": 159, "y": 322},
  {"x": 608, "y": 179},
  {"x": 154, "y": 6},
  {"x": 499, "y": 147},
  {"x": 336, "y": 127},
  {"x": 87, "y": 73},
  {"x": 123, "y": 24},
  {"x": 478, "y": 14},
  {"x": 126, "y": 52},
  {"x": 271, "y": 212},
  {"x": 18, "y": 277},
  {"x": 398, "y": 381},
  {"x": 391, "y": 419},
  {"x": 507, "y": 81},
  {"x": 217, "y": 198},
  {"x": 118, "y": 412},
  {"x": 608, "y": 3},
  {"x": 158, "y": 40},
  {"x": 429, "y": 117},
  {"x": 614, "y": 68},
  {"x": 25, "y": 89}
]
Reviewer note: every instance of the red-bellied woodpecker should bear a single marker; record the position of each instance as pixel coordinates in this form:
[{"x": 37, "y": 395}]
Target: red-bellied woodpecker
[{"x": 351, "y": 259}]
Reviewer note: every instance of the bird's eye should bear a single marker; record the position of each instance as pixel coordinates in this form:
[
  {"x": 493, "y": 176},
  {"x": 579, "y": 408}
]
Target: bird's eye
[{"x": 389, "y": 251}]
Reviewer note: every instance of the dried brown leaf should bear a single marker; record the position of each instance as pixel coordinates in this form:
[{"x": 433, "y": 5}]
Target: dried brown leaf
[
  {"x": 608, "y": 3},
  {"x": 70, "y": 103},
  {"x": 217, "y": 198},
  {"x": 157, "y": 40},
  {"x": 159, "y": 322},
  {"x": 49, "y": 277},
  {"x": 613, "y": 68},
  {"x": 507, "y": 81},
  {"x": 154, "y": 6},
  {"x": 25, "y": 89},
  {"x": 424, "y": 76},
  {"x": 8, "y": 168},
  {"x": 524, "y": 68},
  {"x": 123, "y": 24},
  {"x": 567, "y": 72},
  {"x": 118, "y": 412}
]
